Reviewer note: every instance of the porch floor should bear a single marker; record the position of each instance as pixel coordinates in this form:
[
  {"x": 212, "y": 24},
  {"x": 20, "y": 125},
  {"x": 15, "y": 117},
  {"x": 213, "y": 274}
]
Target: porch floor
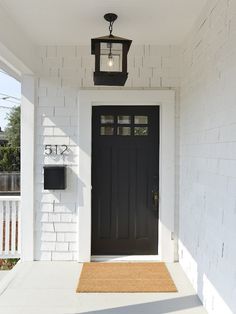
[{"x": 49, "y": 287}]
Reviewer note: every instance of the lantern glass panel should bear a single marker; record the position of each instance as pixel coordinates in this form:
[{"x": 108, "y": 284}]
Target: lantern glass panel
[{"x": 111, "y": 57}]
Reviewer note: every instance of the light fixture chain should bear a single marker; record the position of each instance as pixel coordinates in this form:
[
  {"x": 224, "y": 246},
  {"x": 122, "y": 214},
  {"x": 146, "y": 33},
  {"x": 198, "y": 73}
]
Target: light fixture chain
[{"x": 111, "y": 27}]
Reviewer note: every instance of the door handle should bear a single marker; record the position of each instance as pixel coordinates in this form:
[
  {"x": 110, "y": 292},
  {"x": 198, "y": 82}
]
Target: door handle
[{"x": 155, "y": 199}]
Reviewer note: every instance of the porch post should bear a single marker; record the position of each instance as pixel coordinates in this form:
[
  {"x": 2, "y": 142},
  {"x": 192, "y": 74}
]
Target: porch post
[{"x": 27, "y": 168}]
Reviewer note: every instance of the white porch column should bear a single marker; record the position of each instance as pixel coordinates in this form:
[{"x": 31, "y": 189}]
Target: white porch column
[{"x": 27, "y": 168}]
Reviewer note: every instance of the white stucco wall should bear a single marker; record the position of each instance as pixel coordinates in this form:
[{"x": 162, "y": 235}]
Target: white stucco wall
[
  {"x": 64, "y": 71},
  {"x": 207, "y": 237}
]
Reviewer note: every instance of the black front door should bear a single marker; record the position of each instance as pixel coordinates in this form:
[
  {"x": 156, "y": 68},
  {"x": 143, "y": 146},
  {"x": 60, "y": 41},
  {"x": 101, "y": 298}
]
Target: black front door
[{"x": 125, "y": 178}]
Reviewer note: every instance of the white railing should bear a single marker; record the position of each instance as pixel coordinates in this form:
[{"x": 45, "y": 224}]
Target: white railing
[{"x": 9, "y": 226}]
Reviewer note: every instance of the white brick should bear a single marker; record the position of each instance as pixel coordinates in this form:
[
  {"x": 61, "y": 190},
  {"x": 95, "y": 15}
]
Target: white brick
[
  {"x": 88, "y": 62},
  {"x": 83, "y": 50},
  {"x": 48, "y": 236},
  {"x": 73, "y": 247},
  {"x": 227, "y": 168},
  {"x": 62, "y": 256},
  {"x": 44, "y": 256},
  {"x": 45, "y": 111},
  {"x": 66, "y": 217},
  {"x": 43, "y": 217},
  {"x": 54, "y": 140},
  {"x": 70, "y": 84},
  {"x": 47, "y": 227},
  {"x": 52, "y": 62},
  {"x": 65, "y": 227},
  {"x": 208, "y": 163},
  {"x": 65, "y": 131},
  {"x": 70, "y": 237},
  {"x": 152, "y": 62},
  {"x": 49, "y": 82},
  {"x": 49, "y": 198},
  {"x": 70, "y": 101},
  {"x": 51, "y": 51},
  {"x": 141, "y": 82},
  {"x": 74, "y": 121},
  {"x": 170, "y": 82},
  {"x": 43, "y": 207},
  {"x": 62, "y": 247},
  {"x": 57, "y": 101},
  {"x": 138, "y": 62},
  {"x": 65, "y": 111},
  {"x": 48, "y": 246},
  {"x": 56, "y": 121},
  {"x": 61, "y": 237},
  {"x": 137, "y": 50},
  {"x": 54, "y": 217},
  {"x": 228, "y": 133},
  {"x": 47, "y": 131},
  {"x": 70, "y": 194},
  {"x": 155, "y": 81},
  {"x": 43, "y": 51},
  {"x": 55, "y": 90},
  {"x": 66, "y": 51},
  {"x": 212, "y": 136},
  {"x": 42, "y": 91},
  {"x": 64, "y": 208},
  {"x": 72, "y": 64}
]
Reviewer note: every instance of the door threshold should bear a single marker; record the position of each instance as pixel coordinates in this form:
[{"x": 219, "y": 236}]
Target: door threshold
[{"x": 125, "y": 258}]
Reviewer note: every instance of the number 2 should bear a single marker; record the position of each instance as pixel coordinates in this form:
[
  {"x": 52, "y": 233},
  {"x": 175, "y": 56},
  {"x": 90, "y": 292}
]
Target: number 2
[{"x": 65, "y": 149}]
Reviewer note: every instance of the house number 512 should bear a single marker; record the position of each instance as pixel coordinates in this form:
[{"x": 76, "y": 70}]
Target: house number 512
[{"x": 55, "y": 149}]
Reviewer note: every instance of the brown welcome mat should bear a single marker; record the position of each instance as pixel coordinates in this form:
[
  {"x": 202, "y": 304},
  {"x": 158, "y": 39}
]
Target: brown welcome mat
[{"x": 125, "y": 277}]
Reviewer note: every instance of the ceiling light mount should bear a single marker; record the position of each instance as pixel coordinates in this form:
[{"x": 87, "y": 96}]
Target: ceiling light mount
[{"x": 110, "y": 17}]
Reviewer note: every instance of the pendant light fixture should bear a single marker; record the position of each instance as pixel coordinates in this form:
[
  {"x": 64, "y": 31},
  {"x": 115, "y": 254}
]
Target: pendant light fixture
[{"x": 110, "y": 57}]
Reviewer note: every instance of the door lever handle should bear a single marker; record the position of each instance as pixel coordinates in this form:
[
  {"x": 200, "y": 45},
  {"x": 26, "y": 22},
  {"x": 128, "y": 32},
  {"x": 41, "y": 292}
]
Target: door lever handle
[{"x": 155, "y": 199}]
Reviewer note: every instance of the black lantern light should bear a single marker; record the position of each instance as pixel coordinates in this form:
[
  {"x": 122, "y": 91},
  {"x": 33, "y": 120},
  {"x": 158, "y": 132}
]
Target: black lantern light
[{"x": 110, "y": 57}]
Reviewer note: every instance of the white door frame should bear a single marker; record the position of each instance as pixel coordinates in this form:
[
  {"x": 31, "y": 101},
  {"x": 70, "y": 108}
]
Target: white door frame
[{"x": 166, "y": 100}]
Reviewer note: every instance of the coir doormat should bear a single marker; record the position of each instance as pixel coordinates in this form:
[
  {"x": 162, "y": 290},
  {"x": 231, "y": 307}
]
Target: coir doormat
[{"x": 125, "y": 277}]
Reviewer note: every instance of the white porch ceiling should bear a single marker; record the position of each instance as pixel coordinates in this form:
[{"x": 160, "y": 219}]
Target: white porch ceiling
[{"x": 67, "y": 22}]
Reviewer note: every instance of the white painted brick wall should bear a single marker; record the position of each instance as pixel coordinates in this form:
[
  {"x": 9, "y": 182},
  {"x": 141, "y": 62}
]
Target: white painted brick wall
[
  {"x": 65, "y": 70},
  {"x": 207, "y": 235}
]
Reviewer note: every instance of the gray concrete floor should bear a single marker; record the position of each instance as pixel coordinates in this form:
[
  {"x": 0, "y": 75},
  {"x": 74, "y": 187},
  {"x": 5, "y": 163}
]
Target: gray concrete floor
[
  {"x": 49, "y": 288},
  {"x": 3, "y": 273}
]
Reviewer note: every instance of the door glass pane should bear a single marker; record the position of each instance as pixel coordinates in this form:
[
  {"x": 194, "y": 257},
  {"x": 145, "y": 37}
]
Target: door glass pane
[
  {"x": 124, "y": 119},
  {"x": 141, "y": 131},
  {"x": 141, "y": 119},
  {"x": 123, "y": 130},
  {"x": 107, "y": 119},
  {"x": 106, "y": 130}
]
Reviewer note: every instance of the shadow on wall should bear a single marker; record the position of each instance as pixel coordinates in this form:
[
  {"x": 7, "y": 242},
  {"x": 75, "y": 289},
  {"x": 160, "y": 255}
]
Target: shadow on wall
[{"x": 158, "y": 307}]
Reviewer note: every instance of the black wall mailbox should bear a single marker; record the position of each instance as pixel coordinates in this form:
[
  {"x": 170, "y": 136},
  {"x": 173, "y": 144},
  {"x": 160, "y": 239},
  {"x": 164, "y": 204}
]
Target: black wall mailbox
[{"x": 54, "y": 177}]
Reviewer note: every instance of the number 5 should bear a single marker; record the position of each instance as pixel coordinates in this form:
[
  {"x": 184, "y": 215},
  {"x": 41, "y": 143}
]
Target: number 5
[{"x": 48, "y": 149}]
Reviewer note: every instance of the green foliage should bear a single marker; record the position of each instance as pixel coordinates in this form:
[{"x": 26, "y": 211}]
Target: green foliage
[
  {"x": 7, "y": 264},
  {"x": 13, "y": 127},
  {"x": 9, "y": 158}
]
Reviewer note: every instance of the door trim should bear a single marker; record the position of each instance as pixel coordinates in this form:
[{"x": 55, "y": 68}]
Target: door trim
[{"x": 166, "y": 100}]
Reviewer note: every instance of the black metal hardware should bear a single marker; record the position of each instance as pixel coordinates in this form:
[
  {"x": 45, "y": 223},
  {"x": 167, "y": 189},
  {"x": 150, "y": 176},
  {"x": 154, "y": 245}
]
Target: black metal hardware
[
  {"x": 110, "y": 17},
  {"x": 155, "y": 199},
  {"x": 54, "y": 177},
  {"x": 116, "y": 51},
  {"x": 155, "y": 195}
]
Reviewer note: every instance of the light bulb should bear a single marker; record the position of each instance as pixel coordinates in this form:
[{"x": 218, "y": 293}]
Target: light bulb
[{"x": 110, "y": 62}]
